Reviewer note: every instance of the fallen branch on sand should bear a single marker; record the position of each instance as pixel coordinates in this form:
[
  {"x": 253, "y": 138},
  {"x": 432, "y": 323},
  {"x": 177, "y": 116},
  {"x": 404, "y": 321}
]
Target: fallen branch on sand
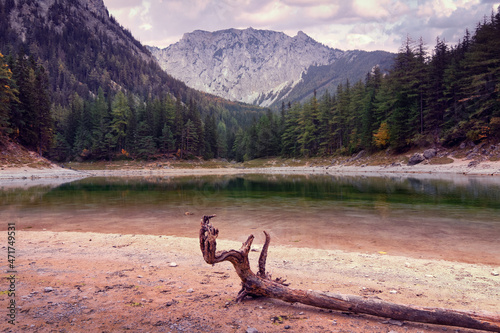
[{"x": 261, "y": 284}]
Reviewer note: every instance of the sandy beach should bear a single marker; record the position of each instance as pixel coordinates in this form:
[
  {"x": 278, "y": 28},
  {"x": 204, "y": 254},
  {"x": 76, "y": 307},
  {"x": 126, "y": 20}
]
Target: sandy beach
[
  {"x": 74, "y": 282},
  {"x": 87, "y": 281}
]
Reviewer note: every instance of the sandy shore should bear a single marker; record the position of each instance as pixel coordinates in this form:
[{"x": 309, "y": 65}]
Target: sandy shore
[{"x": 75, "y": 282}]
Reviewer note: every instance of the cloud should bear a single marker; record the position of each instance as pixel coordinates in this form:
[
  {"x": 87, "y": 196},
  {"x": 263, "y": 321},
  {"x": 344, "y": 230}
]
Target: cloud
[{"x": 358, "y": 24}]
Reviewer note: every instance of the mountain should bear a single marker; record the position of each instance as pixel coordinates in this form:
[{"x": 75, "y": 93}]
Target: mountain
[
  {"x": 263, "y": 67},
  {"x": 83, "y": 48},
  {"x": 80, "y": 45},
  {"x": 82, "y": 86}
]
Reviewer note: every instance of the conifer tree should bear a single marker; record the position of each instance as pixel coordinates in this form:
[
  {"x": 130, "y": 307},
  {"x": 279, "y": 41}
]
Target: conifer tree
[
  {"x": 289, "y": 138},
  {"x": 100, "y": 125},
  {"x": 8, "y": 96},
  {"x": 42, "y": 105},
  {"x": 211, "y": 138},
  {"x": 120, "y": 112},
  {"x": 145, "y": 144},
  {"x": 167, "y": 142}
]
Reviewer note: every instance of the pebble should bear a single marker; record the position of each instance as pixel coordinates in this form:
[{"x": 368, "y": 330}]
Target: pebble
[
  {"x": 172, "y": 264},
  {"x": 495, "y": 273},
  {"x": 190, "y": 290},
  {"x": 48, "y": 289},
  {"x": 393, "y": 292},
  {"x": 393, "y": 322},
  {"x": 139, "y": 276},
  {"x": 252, "y": 330},
  {"x": 287, "y": 327}
]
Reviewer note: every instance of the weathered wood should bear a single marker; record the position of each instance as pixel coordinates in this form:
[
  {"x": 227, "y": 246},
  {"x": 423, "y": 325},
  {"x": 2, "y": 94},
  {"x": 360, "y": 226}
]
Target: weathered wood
[{"x": 261, "y": 284}]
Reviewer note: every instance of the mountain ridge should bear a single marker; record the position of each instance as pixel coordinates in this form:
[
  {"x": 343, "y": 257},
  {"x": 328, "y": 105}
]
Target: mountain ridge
[{"x": 261, "y": 67}]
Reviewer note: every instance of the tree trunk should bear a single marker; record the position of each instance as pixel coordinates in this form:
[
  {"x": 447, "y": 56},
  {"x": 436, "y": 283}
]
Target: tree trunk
[{"x": 261, "y": 284}]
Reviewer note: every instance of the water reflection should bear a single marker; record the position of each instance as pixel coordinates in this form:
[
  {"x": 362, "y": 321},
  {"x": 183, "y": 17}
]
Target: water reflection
[{"x": 457, "y": 217}]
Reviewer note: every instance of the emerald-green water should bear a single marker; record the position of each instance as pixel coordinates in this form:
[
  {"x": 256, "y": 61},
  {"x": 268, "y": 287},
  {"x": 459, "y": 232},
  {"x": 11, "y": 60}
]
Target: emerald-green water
[{"x": 454, "y": 218}]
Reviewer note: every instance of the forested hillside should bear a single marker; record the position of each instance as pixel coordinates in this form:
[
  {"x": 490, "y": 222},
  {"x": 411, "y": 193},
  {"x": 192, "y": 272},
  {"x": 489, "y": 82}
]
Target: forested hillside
[
  {"x": 78, "y": 85},
  {"x": 444, "y": 97}
]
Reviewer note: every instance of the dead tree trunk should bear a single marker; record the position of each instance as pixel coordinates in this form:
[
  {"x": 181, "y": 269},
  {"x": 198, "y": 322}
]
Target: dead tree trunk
[{"x": 261, "y": 284}]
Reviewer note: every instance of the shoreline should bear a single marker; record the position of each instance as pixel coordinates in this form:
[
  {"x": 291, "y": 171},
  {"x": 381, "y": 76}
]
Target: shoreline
[
  {"x": 458, "y": 167},
  {"x": 107, "y": 282}
]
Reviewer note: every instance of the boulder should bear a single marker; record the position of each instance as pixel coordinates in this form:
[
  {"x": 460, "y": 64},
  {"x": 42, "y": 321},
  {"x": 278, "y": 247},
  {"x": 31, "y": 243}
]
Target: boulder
[
  {"x": 430, "y": 153},
  {"x": 416, "y": 158}
]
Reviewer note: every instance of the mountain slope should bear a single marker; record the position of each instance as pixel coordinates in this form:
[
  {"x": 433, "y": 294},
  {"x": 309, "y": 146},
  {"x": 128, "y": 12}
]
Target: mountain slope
[
  {"x": 262, "y": 67},
  {"x": 83, "y": 48},
  {"x": 99, "y": 83}
]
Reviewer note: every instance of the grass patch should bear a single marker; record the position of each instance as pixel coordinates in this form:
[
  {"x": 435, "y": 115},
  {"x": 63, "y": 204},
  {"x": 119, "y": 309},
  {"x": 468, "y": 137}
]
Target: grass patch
[{"x": 440, "y": 160}]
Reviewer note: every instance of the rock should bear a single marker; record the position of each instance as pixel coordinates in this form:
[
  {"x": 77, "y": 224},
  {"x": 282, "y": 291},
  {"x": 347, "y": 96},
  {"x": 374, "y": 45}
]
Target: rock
[
  {"x": 393, "y": 322},
  {"x": 250, "y": 65},
  {"x": 393, "y": 292},
  {"x": 471, "y": 156},
  {"x": 473, "y": 164},
  {"x": 358, "y": 156},
  {"x": 416, "y": 158},
  {"x": 190, "y": 290},
  {"x": 494, "y": 273},
  {"x": 430, "y": 153},
  {"x": 172, "y": 264},
  {"x": 251, "y": 330},
  {"x": 48, "y": 289},
  {"x": 287, "y": 327}
]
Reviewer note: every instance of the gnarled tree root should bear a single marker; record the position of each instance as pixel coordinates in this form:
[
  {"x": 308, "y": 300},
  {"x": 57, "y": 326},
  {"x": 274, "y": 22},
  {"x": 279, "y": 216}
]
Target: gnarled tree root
[{"x": 261, "y": 284}]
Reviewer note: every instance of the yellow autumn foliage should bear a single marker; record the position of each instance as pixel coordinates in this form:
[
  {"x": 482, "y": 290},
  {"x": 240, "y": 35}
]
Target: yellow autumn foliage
[{"x": 381, "y": 137}]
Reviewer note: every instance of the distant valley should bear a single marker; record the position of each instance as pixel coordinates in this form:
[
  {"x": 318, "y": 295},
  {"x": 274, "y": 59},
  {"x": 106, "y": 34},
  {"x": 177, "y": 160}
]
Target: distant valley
[{"x": 264, "y": 67}]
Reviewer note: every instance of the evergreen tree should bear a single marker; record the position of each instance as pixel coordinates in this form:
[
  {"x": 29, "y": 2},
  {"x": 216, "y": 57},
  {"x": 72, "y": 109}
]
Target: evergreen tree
[
  {"x": 290, "y": 146},
  {"x": 145, "y": 145},
  {"x": 120, "y": 112},
  {"x": 167, "y": 142},
  {"x": 340, "y": 114},
  {"x": 368, "y": 118},
  {"x": 23, "y": 116},
  {"x": 190, "y": 137},
  {"x": 436, "y": 101},
  {"x": 354, "y": 117},
  {"x": 222, "y": 139},
  {"x": 42, "y": 105},
  {"x": 100, "y": 125},
  {"x": 8, "y": 96},
  {"x": 211, "y": 138},
  {"x": 326, "y": 124},
  {"x": 309, "y": 128}
]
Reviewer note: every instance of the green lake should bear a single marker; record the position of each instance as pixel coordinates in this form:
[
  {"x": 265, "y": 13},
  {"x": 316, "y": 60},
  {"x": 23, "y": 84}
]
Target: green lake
[{"x": 450, "y": 217}]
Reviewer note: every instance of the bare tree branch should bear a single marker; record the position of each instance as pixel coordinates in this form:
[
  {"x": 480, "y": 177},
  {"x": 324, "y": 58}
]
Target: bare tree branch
[{"x": 261, "y": 284}]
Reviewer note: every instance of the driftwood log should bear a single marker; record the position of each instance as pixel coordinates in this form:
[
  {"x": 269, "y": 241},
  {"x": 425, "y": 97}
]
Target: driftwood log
[{"x": 261, "y": 284}]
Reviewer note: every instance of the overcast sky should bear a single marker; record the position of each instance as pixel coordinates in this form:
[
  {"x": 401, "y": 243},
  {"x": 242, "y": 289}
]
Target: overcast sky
[{"x": 358, "y": 24}]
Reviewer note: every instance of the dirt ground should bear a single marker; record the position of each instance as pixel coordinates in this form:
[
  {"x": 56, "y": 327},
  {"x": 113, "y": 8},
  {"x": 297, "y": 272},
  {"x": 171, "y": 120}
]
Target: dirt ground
[{"x": 76, "y": 282}]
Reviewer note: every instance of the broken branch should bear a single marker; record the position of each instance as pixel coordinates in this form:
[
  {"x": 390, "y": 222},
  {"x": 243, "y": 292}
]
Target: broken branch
[{"x": 260, "y": 284}]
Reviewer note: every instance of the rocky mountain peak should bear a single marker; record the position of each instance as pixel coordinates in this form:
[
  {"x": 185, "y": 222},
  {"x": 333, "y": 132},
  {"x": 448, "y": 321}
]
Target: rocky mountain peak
[{"x": 254, "y": 66}]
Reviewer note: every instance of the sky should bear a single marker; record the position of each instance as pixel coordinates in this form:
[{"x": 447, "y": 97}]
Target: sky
[{"x": 347, "y": 25}]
